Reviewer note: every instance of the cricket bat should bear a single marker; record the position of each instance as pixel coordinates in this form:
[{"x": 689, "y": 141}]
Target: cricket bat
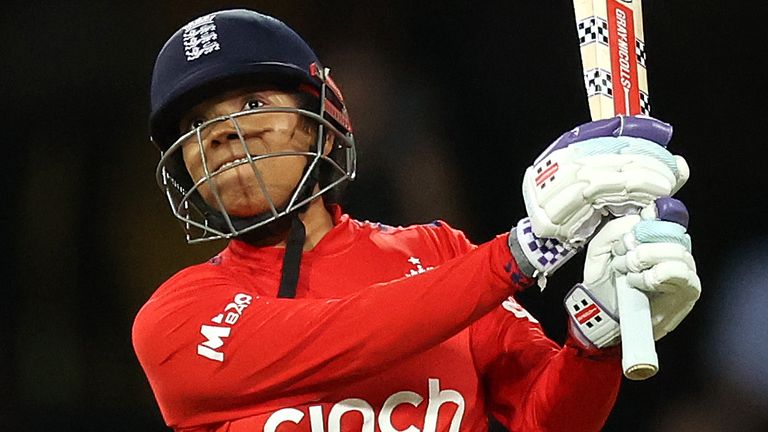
[{"x": 613, "y": 59}]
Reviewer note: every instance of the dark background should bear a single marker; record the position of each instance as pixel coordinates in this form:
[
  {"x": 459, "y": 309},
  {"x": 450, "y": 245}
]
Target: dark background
[{"x": 451, "y": 102}]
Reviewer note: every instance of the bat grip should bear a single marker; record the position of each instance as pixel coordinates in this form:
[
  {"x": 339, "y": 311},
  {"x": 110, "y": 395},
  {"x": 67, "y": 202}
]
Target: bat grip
[{"x": 638, "y": 349}]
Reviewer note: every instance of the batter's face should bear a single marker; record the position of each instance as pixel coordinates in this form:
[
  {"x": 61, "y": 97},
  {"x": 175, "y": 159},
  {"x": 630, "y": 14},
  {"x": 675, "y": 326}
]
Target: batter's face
[{"x": 263, "y": 133}]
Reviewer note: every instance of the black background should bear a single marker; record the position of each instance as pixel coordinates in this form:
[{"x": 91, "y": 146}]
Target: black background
[{"x": 451, "y": 102}]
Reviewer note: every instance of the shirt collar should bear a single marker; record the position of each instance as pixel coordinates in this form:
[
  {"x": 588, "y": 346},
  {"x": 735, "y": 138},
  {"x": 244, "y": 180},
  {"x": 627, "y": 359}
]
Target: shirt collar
[{"x": 339, "y": 239}]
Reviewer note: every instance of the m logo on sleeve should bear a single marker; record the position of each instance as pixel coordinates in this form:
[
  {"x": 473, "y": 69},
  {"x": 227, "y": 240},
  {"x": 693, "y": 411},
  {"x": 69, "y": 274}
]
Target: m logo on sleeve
[{"x": 215, "y": 334}]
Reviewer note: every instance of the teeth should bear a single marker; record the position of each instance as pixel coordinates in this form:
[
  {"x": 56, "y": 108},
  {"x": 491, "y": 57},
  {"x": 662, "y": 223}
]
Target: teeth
[{"x": 233, "y": 163}]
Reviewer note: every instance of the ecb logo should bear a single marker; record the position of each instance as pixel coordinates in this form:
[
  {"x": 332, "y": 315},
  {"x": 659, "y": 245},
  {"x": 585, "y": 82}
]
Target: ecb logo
[{"x": 200, "y": 37}]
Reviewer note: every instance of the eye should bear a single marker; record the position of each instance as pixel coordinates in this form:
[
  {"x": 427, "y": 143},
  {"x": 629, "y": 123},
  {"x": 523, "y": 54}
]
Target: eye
[
  {"x": 253, "y": 104},
  {"x": 196, "y": 123}
]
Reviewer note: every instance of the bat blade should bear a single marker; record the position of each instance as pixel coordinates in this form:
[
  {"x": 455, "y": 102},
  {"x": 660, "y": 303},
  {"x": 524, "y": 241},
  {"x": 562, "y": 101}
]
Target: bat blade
[{"x": 612, "y": 45}]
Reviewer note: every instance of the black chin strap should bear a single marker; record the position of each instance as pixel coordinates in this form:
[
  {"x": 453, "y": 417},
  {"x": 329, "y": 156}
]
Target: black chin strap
[
  {"x": 294, "y": 247},
  {"x": 292, "y": 259}
]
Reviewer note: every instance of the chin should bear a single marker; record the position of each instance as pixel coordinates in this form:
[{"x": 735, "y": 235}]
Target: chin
[
  {"x": 249, "y": 204},
  {"x": 244, "y": 198},
  {"x": 246, "y": 211},
  {"x": 241, "y": 206}
]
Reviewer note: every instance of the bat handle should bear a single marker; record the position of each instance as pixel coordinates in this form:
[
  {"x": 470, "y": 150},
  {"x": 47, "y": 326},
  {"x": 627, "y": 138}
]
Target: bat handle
[{"x": 638, "y": 349}]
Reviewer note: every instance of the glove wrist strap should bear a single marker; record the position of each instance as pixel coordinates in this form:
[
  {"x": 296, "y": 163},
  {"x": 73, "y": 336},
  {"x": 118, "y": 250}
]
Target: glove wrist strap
[
  {"x": 590, "y": 322},
  {"x": 545, "y": 255}
]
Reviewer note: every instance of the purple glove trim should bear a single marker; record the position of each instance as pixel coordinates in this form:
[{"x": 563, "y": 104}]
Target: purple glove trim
[
  {"x": 672, "y": 210},
  {"x": 638, "y": 127}
]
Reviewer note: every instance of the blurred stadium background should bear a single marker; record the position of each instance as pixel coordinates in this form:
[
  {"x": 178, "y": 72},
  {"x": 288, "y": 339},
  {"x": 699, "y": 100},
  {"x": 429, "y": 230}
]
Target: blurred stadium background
[{"x": 450, "y": 101}]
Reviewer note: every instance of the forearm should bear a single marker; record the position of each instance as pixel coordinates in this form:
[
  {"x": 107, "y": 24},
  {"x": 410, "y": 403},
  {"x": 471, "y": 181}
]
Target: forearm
[
  {"x": 359, "y": 335},
  {"x": 576, "y": 390}
]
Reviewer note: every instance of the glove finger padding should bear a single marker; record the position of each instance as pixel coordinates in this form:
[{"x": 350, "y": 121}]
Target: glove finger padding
[
  {"x": 672, "y": 289},
  {"x": 670, "y": 275},
  {"x": 614, "y": 166},
  {"x": 684, "y": 173},
  {"x": 647, "y": 255},
  {"x": 655, "y": 255}
]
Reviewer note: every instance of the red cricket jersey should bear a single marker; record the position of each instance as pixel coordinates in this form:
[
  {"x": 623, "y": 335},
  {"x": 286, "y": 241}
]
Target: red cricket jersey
[{"x": 392, "y": 329}]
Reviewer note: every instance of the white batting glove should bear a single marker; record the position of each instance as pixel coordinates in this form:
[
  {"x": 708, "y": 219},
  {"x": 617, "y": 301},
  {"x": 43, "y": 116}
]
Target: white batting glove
[
  {"x": 615, "y": 166},
  {"x": 654, "y": 252}
]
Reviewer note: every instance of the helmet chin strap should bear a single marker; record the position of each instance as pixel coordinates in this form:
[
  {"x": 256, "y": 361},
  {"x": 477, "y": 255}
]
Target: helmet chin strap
[
  {"x": 294, "y": 247},
  {"x": 292, "y": 260}
]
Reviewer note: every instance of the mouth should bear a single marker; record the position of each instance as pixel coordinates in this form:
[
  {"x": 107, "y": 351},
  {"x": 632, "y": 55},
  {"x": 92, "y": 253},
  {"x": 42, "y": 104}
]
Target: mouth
[{"x": 230, "y": 164}]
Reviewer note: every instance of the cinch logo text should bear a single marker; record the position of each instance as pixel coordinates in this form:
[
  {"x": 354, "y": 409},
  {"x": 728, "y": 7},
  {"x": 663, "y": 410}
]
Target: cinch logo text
[{"x": 318, "y": 420}]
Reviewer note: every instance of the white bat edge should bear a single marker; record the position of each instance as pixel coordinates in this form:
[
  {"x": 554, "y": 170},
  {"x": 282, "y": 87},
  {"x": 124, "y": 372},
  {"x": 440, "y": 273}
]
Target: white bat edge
[{"x": 638, "y": 349}]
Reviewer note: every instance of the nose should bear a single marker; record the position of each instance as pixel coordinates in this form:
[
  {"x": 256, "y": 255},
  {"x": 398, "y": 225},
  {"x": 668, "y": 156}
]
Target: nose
[
  {"x": 223, "y": 138},
  {"x": 222, "y": 132}
]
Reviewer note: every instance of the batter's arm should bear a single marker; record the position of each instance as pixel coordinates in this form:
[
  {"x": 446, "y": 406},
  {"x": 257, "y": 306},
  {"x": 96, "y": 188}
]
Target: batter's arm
[
  {"x": 283, "y": 347},
  {"x": 533, "y": 384}
]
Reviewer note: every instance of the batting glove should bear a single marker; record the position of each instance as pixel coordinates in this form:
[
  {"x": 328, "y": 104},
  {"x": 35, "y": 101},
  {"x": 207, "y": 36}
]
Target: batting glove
[
  {"x": 615, "y": 166},
  {"x": 654, "y": 252}
]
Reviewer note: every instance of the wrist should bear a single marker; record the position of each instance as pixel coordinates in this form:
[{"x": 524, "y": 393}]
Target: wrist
[
  {"x": 590, "y": 351},
  {"x": 516, "y": 249},
  {"x": 514, "y": 270},
  {"x": 538, "y": 257}
]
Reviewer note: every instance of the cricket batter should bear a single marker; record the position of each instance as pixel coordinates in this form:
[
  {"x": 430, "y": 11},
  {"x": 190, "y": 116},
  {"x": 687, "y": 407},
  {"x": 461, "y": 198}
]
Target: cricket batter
[{"x": 310, "y": 320}]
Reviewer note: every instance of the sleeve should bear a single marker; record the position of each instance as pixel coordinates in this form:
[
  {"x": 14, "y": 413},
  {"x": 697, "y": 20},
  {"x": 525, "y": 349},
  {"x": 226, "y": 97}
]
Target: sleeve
[
  {"x": 209, "y": 348},
  {"x": 532, "y": 384},
  {"x": 450, "y": 241}
]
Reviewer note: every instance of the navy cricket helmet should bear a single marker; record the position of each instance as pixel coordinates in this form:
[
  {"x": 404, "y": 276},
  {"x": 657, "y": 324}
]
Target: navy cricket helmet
[
  {"x": 232, "y": 49},
  {"x": 228, "y": 49}
]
